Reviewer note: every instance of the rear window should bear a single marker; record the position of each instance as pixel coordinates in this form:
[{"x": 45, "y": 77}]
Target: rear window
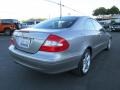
[{"x": 57, "y": 23}]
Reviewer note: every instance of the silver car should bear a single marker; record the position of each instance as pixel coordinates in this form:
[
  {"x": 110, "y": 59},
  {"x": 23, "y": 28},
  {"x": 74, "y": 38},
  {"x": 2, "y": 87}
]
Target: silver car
[{"x": 60, "y": 44}]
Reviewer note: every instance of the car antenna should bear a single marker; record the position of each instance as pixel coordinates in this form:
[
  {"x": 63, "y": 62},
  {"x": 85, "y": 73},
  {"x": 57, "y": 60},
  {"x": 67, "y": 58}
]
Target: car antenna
[
  {"x": 62, "y": 5},
  {"x": 60, "y": 10}
]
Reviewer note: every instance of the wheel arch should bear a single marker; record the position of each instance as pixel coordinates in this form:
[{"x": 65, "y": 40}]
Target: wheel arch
[
  {"x": 7, "y": 28},
  {"x": 90, "y": 48}
]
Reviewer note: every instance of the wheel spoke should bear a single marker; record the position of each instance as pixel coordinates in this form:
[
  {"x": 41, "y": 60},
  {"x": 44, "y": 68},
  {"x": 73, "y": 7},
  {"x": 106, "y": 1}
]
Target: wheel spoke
[{"x": 86, "y": 63}]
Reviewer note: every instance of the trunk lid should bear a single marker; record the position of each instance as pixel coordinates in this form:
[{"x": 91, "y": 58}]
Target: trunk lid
[{"x": 29, "y": 40}]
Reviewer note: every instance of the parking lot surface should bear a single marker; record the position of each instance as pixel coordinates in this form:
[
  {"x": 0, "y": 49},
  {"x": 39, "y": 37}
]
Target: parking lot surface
[{"x": 104, "y": 73}]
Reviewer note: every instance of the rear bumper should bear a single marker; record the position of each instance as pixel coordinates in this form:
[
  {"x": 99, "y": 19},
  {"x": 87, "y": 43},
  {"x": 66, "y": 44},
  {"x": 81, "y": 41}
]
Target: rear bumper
[{"x": 46, "y": 64}]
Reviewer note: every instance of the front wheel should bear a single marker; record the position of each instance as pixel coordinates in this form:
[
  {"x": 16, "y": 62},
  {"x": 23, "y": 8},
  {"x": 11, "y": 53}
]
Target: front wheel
[
  {"x": 7, "y": 32},
  {"x": 84, "y": 65}
]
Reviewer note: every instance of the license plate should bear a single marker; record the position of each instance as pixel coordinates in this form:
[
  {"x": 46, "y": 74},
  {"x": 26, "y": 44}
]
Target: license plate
[{"x": 24, "y": 42}]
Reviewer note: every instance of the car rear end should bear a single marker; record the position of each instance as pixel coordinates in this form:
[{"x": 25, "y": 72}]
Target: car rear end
[
  {"x": 50, "y": 50},
  {"x": 46, "y": 52}
]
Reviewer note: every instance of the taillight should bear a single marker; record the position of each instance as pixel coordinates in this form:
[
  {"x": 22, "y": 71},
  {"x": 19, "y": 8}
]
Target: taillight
[
  {"x": 54, "y": 43},
  {"x": 12, "y": 41}
]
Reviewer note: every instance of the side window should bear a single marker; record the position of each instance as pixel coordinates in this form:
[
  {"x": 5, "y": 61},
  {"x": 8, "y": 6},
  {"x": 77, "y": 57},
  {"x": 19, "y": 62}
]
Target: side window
[
  {"x": 97, "y": 25},
  {"x": 88, "y": 25}
]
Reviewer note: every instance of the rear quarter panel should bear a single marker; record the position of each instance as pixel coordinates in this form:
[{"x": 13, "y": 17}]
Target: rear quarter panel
[{"x": 80, "y": 40}]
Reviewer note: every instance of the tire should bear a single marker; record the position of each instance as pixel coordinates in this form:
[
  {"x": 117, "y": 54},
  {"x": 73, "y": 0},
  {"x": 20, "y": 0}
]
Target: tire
[
  {"x": 109, "y": 45},
  {"x": 84, "y": 64},
  {"x": 7, "y": 32}
]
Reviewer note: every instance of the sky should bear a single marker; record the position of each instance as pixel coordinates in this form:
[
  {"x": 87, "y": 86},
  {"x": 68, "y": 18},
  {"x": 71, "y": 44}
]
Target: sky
[{"x": 25, "y": 9}]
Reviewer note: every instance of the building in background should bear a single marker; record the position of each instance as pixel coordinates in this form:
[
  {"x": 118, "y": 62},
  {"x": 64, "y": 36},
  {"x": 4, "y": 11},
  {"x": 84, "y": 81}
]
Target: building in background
[
  {"x": 109, "y": 18},
  {"x": 116, "y": 18},
  {"x": 31, "y": 22}
]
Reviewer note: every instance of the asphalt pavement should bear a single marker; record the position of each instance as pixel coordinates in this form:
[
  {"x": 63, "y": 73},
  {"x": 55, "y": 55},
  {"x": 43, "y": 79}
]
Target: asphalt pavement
[{"x": 104, "y": 73}]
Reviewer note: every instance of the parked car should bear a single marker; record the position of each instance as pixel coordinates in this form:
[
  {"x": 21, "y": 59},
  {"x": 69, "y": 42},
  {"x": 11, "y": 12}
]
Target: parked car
[
  {"x": 23, "y": 25},
  {"x": 115, "y": 27},
  {"x": 7, "y": 26},
  {"x": 105, "y": 25},
  {"x": 60, "y": 44},
  {"x": 31, "y": 23}
]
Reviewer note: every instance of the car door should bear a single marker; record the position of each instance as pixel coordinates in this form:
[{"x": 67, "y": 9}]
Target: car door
[
  {"x": 101, "y": 34},
  {"x": 91, "y": 35}
]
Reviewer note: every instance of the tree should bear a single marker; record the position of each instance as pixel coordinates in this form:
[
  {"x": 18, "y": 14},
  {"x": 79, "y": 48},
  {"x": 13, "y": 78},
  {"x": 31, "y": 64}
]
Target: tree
[
  {"x": 100, "y": 11},
  {"x": 104, "y": 11},
  {"x": 113, "y": 10}
]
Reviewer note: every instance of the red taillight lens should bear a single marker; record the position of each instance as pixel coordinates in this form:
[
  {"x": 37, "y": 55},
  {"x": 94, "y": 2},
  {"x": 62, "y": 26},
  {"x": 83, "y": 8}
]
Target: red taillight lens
[
  {"x": 54, "y": 43},
  {"x": 12, "y": 41}
]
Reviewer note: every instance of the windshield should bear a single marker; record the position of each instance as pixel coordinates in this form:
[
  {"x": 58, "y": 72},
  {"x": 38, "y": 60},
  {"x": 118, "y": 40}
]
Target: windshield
[
  {"x": 9, "y": 21},
  {"x": 57, "y": 23}
]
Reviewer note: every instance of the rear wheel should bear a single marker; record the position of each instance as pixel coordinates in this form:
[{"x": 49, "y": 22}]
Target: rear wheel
[{"x": 84, "y": 65}]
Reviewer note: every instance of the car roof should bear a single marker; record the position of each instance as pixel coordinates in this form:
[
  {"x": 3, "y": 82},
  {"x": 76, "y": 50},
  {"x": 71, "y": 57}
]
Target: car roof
[{"x": 78, "y": 16}]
